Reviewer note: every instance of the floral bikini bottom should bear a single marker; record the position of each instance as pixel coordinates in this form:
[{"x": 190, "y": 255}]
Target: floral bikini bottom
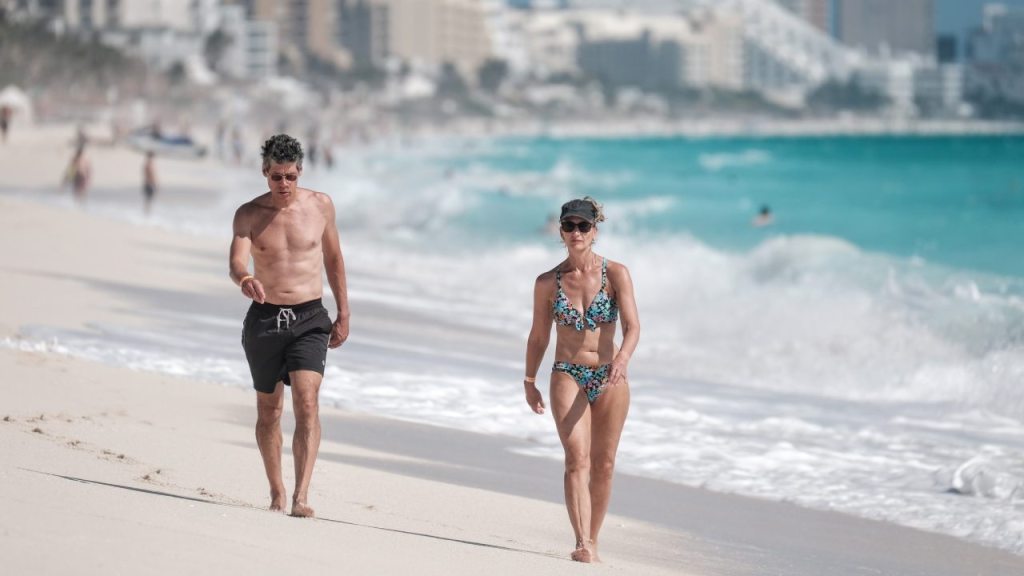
[{"x": 591, "y": 379}]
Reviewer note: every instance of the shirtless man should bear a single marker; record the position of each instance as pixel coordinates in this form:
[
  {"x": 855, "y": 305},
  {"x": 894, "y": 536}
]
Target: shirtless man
[{"x": 291, "y": 236}]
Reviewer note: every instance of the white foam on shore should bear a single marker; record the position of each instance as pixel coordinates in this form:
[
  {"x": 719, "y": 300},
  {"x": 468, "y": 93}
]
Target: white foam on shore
[{"x": 862, "y": 458}]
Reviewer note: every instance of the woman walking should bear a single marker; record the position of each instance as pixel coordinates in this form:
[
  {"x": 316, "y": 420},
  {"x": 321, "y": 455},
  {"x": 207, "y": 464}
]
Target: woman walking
[{"x": 584, "y": 296}]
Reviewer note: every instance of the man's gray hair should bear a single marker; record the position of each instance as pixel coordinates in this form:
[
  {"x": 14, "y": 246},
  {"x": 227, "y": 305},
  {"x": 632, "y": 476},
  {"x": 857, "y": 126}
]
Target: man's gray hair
[{"x": 282, "y": 149}]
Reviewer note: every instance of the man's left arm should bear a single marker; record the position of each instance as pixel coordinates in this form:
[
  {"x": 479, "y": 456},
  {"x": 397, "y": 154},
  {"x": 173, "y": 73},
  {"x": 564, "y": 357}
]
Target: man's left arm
[{"x": 334, "y": 267}]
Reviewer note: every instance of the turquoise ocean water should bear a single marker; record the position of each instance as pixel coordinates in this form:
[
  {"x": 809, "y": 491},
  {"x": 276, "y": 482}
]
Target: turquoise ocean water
[{"x": 953, "y": 201}]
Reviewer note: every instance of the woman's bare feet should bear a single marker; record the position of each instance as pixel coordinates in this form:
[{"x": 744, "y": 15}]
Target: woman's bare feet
[
  {"x": 278, "y": 502},
  {"x": 301, "y": 509},
  {"x": 584, "y": 552}
]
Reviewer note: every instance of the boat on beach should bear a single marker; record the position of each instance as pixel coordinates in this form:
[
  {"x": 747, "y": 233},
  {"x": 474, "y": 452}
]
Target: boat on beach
[{"x": 175, "y": 146}]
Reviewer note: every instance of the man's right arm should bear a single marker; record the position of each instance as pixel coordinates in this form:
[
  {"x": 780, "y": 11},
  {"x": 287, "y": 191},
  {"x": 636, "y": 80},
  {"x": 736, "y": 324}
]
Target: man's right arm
[{"x": 238, "y": 259}]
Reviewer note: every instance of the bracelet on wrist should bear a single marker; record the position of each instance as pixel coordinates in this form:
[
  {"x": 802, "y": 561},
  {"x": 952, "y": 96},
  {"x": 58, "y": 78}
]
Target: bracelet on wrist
[
  {"x": 529, "y": 379},
  {"x": 246, "y": 277}
]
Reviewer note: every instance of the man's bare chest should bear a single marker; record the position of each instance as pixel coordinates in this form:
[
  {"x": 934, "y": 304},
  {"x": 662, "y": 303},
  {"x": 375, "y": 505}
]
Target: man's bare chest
[{"x": 288, "y": 232}]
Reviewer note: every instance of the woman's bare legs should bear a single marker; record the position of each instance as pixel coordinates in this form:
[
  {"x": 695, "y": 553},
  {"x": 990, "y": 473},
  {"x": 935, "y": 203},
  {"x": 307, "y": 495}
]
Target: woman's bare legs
[
  {"x": 607, "y": 417},
  {"x": 590, "y": 436},
  {"x": 572, "y": 419}
]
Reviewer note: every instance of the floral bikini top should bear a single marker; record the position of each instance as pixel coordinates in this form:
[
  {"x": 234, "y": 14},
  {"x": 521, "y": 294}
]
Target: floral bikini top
[{"x": 602, "y": 310}]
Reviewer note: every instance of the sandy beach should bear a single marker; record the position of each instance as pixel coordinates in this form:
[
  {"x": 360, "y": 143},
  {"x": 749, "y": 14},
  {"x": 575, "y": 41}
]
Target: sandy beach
[{"x": 112, "y": 470}]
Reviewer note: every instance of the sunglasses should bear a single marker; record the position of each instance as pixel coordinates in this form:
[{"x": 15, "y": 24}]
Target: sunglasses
[
  {"x": 568, "y": 226},
  {"x": 288, "y": 177}
]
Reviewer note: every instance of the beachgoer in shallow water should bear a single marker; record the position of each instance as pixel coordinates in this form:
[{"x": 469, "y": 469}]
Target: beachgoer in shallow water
[
  {"x": 764, "y": 217},
  {"x": 584, "y": 296},
  {"x": 148, "y": 182},
  {"x": 291, "y": 235}
]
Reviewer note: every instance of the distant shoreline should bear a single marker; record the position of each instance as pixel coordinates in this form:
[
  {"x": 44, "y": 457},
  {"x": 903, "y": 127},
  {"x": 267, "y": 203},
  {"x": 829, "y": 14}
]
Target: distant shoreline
[{"x": 652, "y": 127}]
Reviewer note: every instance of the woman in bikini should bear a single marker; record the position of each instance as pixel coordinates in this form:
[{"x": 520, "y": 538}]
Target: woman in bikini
[{"x": 584, "y": 296}]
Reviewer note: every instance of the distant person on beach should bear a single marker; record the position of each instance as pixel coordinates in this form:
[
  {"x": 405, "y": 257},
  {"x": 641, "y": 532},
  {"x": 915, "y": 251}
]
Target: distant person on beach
[
  {"x": 220, "y": 134},
  {"x": 148, "y": 182},
  {"x": 329, "y": 155},
  {"x": 764, "y": 217},
  {"x": 116, "y": 130},
  {"x": 312, "y": 146},
  {"x": 78, "y": 174},
  {"x": 236, "y": 144},
  {"x": 584, "y": 296},
  {"x": 6, "y": 112},
  {"x": 81, "y": 136},
  {"x": 291, "y": 236}
]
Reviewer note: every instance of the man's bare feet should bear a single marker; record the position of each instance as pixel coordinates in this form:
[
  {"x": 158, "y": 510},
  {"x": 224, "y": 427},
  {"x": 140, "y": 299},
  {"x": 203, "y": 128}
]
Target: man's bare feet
[
  {"x": 584, "y": 552},
  {"x": 301, "y": 509},
  {"x": 278, "y": 502}
]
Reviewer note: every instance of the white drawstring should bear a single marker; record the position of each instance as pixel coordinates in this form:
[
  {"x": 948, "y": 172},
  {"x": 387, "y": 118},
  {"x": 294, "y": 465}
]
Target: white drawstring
[{"x": 285, "y": 315}]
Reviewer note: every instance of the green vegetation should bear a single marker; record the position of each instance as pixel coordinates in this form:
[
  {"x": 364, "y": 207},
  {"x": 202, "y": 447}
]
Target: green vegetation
[
  {"x": 835, "y": 96},
  {"x": 451, "y": 84},
  {"x": 491, "y": 74},
  {"x": 214, "y": 47},
  {"x": 32, "y": 57},
  {"x": 996, "y": 107}
]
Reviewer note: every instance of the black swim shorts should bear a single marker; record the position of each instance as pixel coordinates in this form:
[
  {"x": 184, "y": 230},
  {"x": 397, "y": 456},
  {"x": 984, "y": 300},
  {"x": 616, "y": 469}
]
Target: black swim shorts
[{"x": 282, "y": 339}]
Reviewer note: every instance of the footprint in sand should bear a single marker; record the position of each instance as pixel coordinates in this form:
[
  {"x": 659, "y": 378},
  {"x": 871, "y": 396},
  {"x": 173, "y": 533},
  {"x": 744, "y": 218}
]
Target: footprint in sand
[{"x": 156, "y": 476}]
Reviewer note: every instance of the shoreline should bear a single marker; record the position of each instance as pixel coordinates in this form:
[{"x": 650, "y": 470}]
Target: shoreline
[
  {"x": 103, "y": 456},
  {"x": 635, "y": 127},
  {"x": 701, "y": 128}
]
